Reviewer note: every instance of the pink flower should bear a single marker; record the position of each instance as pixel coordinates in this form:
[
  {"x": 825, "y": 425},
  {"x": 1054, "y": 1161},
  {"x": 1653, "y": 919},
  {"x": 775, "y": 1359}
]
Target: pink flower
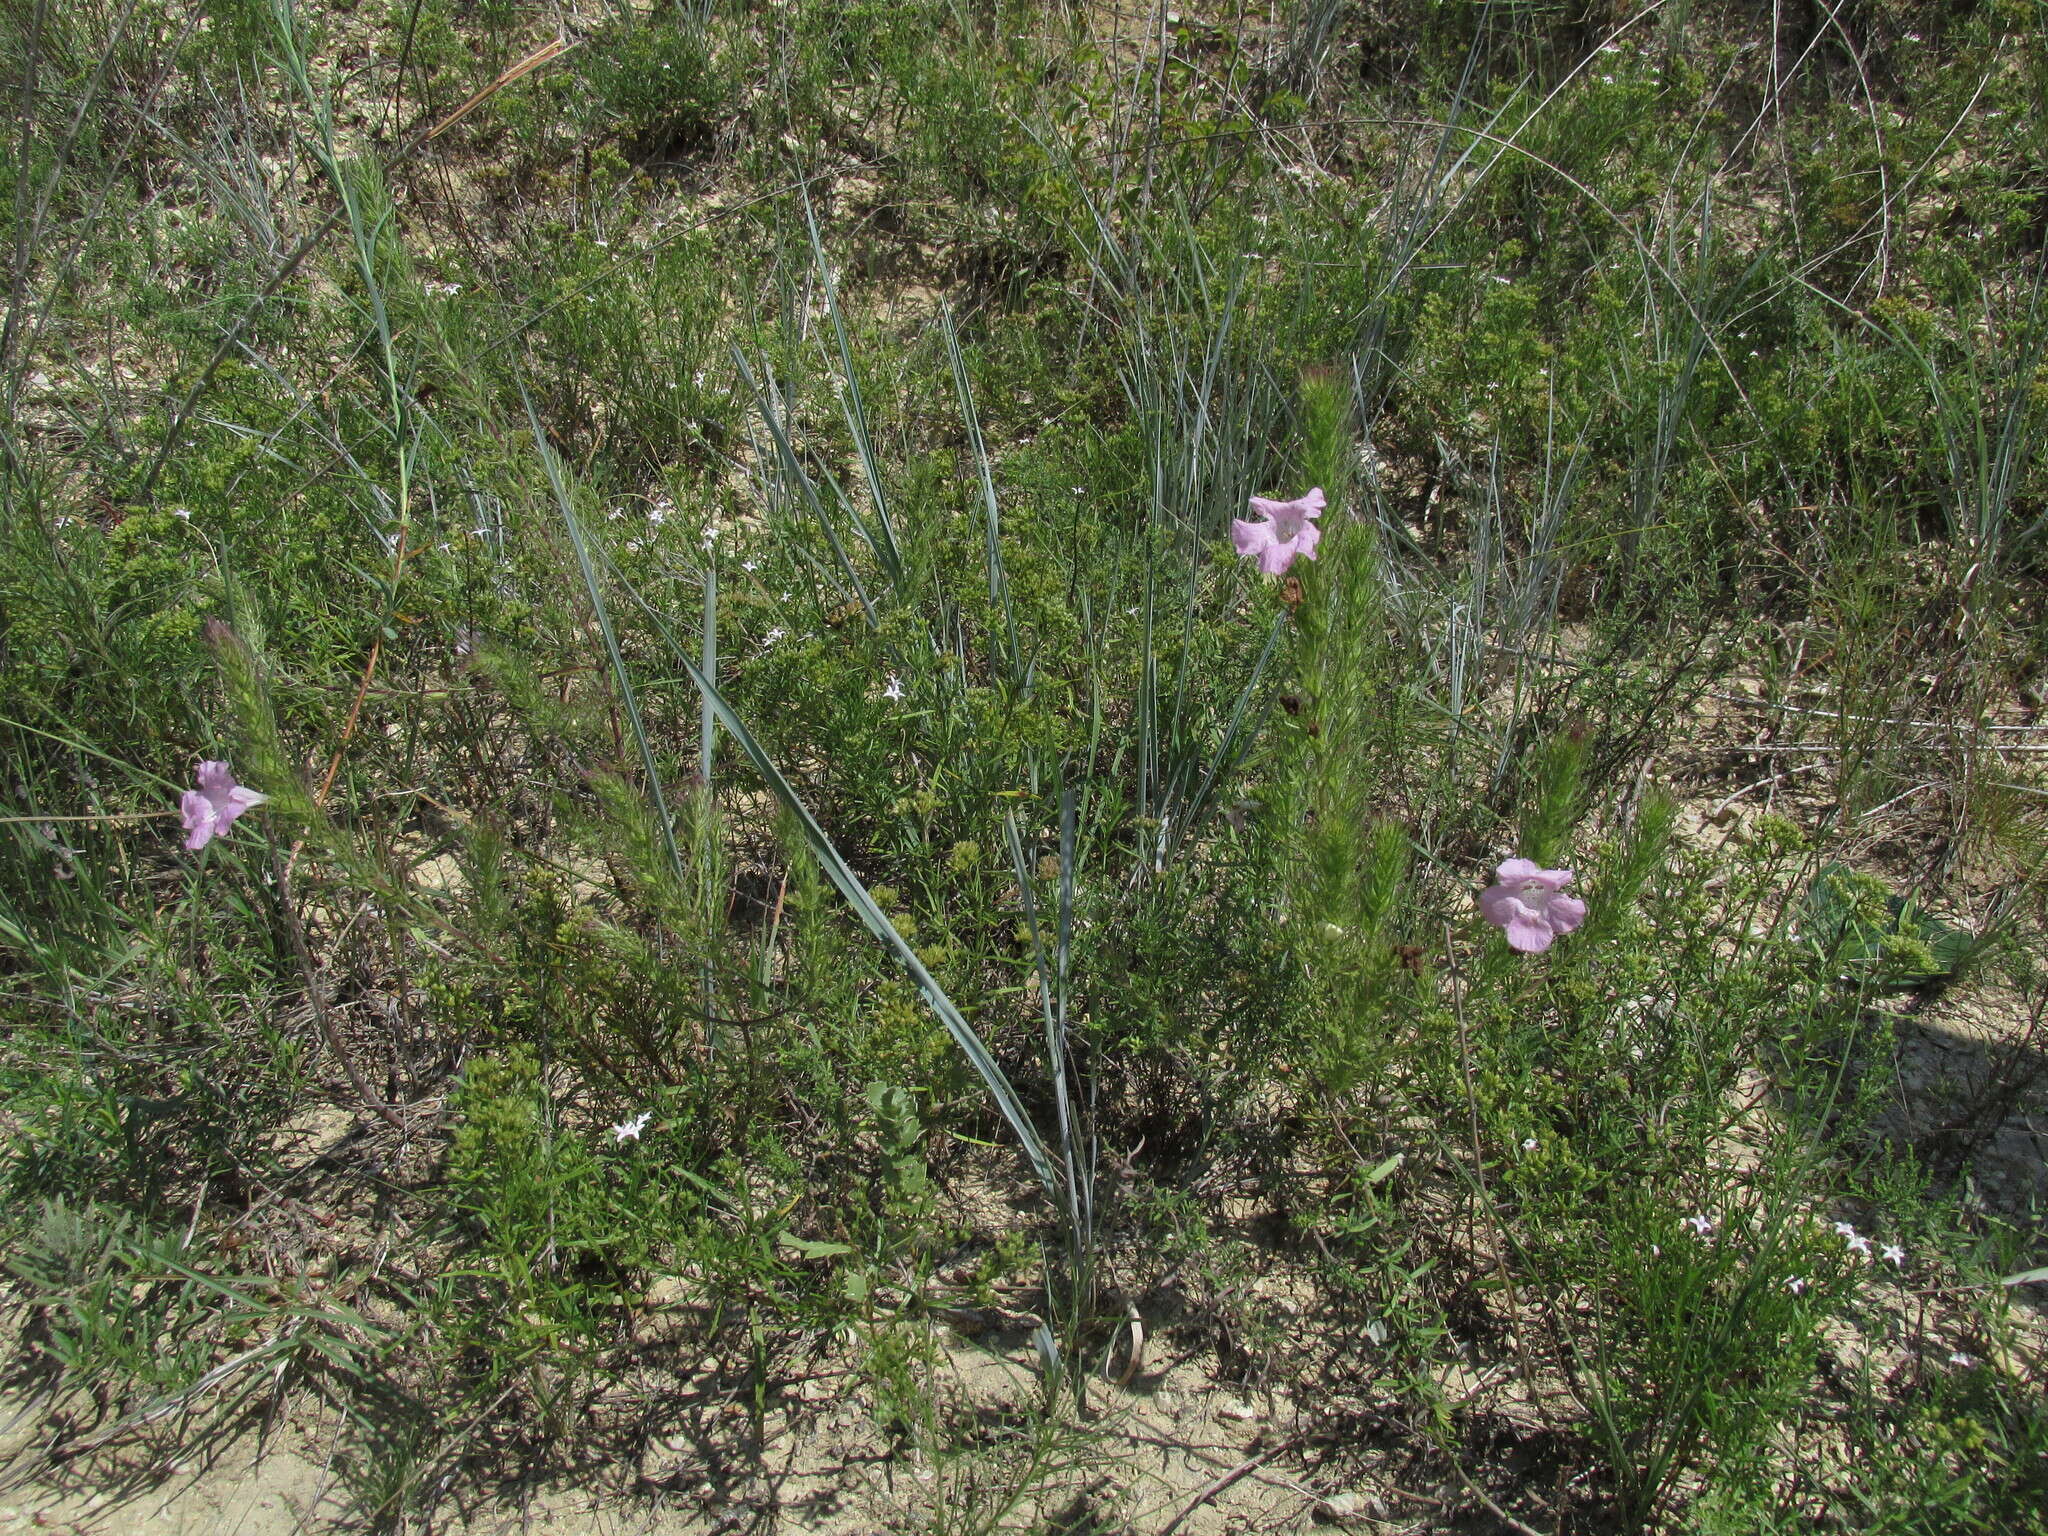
[
  {"x": 1288, "y": 531},
  {"x": 1529, "y": 905},
  {"x": 212, "y": 808}
]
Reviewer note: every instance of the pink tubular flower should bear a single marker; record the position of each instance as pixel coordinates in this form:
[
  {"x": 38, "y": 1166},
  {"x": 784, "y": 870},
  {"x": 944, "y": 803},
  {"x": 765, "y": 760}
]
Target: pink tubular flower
[
  {"x": 1529, "y": 905},
  {"x": 212, "y": 808},
  {"x": 1289, "y": 530}
]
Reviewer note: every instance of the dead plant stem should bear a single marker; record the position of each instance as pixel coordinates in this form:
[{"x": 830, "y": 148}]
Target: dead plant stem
[{"x": 316, "y": 998}]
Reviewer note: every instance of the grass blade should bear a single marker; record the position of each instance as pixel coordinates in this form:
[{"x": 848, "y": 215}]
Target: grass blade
[{"x": 627, "y": 695}]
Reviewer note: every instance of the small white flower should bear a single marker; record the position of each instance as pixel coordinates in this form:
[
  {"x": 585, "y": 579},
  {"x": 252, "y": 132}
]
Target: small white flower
[
  {"x": 1858, "y": 1244},
  {"x": 184, "y": 512},
  {"x": 1529, "y": 1144},
  {"x": 710, "y": 539},
  {"x": 1894, "y": 1255},
  {"x": 658, "y": 513},
  {"x": 774, "y": 635},
  {"x": 1795, "y": 1283},
  {"x": 1959, "y": 1358},
  {"x": 1702, "y": 1224},
  {"x": 629, "y": 1130},
  {"x": 895, "y": 688}
]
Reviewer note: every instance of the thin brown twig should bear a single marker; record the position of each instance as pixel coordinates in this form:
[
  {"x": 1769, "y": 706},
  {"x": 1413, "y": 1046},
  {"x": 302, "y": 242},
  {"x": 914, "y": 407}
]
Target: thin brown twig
[
  {"x": 316, "y": 996},
  {"x": 1242, "y": 1470},
  {"x": 105, "y": 817},
  {"x": 546, "y": 53},
  {"x": 1483, "y": 1497}
]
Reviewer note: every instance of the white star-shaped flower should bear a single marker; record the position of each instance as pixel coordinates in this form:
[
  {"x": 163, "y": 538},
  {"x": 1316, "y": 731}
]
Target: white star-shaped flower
[
  {"x": 1795, "y": 1283},
  {"x": 895, "y": 688},
  {"x": 1894, "y": 1255},
  {"x": 1702, "y": 1224},
  {"x": 629, "y": 1130}
]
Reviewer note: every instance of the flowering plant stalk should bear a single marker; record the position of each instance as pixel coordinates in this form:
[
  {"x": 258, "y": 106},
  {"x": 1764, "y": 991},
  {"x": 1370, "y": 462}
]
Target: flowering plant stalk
[{"x": 1350, "y": 860}]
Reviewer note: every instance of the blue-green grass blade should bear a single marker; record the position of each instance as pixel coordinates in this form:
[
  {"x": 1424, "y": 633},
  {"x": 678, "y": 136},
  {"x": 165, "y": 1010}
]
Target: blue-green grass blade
[
  {"x": 998, "y": 583},
  {"x": 627, "y": 695},
  {"x": 854, "y": 409}
]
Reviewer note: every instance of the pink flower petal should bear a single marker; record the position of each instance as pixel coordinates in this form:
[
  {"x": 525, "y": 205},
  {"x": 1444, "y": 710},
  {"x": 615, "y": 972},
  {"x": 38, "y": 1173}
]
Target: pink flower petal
[
  {"x": 1528, "y": 932},
  {"x": 1565, "y": 913},
  {"x": 1285, "y": 536},
  {"x": 1526, "y": 926},
  {"x": 1310, "y": 505},
  {"x": 1251, "y": 538},
  {"x": 200, "y": 819},
  {"x": 1528, "y": 871},
  {"x": 215, "y": 805},
  {"x": 1280, "y": 553},
  {"x": 1497, "y": 903}
]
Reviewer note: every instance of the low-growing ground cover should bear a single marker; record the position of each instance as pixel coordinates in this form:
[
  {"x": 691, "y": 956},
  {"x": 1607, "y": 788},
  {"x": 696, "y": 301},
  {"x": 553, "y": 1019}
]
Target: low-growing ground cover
[{"x": 977, "y": 767}]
